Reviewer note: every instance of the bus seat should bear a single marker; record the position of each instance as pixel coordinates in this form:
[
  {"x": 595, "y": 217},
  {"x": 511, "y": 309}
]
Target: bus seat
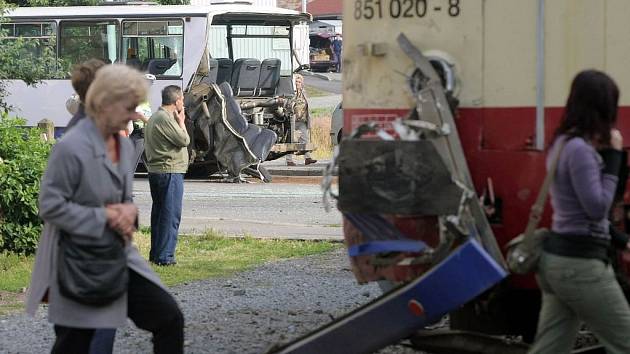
[
  {"x": 159, "y": 66},
  {"x": 235, "y": 116},
  {"x": 269, "y": 77},
  {"x": 259, "y": 140},
  {"x": 285, "y": 86},
  {"x": 245, "y": 76},
  {"x": 224, "y": 71},
  {"x": 213, "y": 71}
]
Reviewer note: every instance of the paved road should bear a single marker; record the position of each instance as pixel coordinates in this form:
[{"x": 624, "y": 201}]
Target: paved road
[
  {"x": 324, "y": 101},
  {"x": 282, "y": 210},
  {"x": 329, "y": 82}
]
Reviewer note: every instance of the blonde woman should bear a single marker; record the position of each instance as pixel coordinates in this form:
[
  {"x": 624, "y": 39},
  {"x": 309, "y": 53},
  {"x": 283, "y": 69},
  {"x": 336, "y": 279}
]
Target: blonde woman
[{"x": 86, "y": 193}]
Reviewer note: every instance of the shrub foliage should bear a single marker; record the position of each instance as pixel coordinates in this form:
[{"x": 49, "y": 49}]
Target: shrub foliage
[{"x": 23, "y": 156}]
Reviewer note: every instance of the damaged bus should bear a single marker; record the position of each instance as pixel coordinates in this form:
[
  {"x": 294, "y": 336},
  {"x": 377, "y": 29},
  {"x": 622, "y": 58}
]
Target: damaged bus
[{"x": 235, "y": 62}]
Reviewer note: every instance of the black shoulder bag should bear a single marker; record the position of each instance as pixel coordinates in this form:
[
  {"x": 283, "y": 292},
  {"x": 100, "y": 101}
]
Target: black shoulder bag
[{"x": 92, "y": 271}]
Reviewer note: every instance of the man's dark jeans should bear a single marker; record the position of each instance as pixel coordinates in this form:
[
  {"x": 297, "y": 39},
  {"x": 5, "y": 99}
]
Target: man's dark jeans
[{"x": 167, "y": 190}]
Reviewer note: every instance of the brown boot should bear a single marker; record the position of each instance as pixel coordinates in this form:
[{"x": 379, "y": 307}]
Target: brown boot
[{"x": 309, "y": 161}]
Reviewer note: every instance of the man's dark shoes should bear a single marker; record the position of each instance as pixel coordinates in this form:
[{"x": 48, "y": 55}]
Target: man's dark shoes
[
  {"x": 165, "y": 264},
  {"x": 290, "y": 163},
  {"x": 309, "y": 161}
]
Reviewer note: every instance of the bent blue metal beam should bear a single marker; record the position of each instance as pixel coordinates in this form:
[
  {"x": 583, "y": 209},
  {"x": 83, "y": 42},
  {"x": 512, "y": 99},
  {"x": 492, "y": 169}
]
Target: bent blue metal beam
[{"x": 467, "y": 272}]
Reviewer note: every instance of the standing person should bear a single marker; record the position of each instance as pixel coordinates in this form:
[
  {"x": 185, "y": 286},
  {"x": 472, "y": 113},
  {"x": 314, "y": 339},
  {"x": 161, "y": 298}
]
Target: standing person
[
  {"x": 137, "y": 133},
  {"x": 337, "y": 45},
  {"x": 574, "y": 274},
  {"x": 81, "y": 78},
  {"x": 86, "y": 193},
  {"x": 302, "y": 120},
  {"x": 166, "y": 142}
]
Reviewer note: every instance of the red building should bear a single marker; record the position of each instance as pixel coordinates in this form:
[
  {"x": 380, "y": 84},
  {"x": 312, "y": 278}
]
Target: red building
[{"x": 329, "y": 9}]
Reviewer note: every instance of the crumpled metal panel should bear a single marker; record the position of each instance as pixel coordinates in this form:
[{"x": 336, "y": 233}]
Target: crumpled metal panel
[
  {"x": 219, "y": 128},
  {"x": 395, "y": 177}
]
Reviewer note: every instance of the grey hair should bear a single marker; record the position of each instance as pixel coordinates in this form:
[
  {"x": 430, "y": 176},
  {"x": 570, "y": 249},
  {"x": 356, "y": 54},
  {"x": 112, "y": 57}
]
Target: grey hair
[{"x": 170, "y": 94}]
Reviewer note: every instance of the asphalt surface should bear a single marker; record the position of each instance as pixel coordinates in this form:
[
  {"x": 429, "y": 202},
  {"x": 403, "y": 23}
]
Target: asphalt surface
[
  {"x": 290, "y": 210},
  {"x": 329, "y": 82},
  {"x": 324, "y": 101}
]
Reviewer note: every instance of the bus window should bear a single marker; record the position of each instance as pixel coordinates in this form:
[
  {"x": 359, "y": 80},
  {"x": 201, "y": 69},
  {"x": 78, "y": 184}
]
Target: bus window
[
  {"x": 156, "y": 47},
  {"x": 39, "y": 37},
  {"x": 249, "y": 41},
  {"x": 80, "y": 41}
]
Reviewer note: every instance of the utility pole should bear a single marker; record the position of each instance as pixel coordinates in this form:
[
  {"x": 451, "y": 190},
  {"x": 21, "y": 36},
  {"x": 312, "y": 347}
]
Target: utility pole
[{"x": 304, "y": 5}]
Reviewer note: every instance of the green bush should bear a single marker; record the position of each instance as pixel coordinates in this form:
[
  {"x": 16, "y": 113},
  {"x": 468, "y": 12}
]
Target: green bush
[{"x": 23, "y": 157}]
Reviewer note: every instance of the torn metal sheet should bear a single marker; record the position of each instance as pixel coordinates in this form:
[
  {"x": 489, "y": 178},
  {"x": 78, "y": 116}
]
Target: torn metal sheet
[{"x": 395, "y": 177}]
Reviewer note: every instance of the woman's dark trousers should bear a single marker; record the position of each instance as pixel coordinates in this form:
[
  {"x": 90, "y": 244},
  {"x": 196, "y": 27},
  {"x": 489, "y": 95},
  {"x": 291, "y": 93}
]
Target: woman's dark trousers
[{"x": 149, "y": 307}]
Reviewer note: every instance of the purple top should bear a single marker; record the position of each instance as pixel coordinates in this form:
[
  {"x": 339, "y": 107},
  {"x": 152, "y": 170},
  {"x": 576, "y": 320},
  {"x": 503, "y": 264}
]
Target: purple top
[{"x": 581, "y": 193}]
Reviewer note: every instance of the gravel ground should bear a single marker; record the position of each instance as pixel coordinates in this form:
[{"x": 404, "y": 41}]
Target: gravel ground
[{"x": 246, "y": 313}]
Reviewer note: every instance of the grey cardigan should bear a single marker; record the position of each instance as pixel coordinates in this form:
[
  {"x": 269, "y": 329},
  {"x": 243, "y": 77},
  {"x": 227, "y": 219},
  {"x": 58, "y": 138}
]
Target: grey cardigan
[{"x": 79, "y": 181}]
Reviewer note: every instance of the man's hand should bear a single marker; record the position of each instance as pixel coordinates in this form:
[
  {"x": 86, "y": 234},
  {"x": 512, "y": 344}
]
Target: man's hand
[{"x": 181, "y": 118}]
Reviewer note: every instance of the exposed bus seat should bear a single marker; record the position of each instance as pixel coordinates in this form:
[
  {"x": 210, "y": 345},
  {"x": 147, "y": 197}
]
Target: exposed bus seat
[
  {"x": 269, "y": 77},
  {"x": 258, "y": 140},
  {"x": 224, "y": 71},
  {"x": 213, "y": 72},
  {"x": 285, "y": 86},
  {"x": 245, "y": 76},
  {"x": 159, "y": 66}
]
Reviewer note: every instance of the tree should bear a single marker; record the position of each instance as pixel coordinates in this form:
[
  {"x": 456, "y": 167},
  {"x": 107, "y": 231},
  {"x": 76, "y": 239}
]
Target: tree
[
  {"x": 30, "y": 60},
  {"x": 23, "y": 154}
]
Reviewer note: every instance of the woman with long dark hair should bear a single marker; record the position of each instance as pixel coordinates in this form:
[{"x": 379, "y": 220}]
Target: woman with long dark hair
[{"x": 575, "y": 276}]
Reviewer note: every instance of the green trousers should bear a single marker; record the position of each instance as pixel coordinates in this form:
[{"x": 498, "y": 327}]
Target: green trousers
[{"x": 579, "y": 290}]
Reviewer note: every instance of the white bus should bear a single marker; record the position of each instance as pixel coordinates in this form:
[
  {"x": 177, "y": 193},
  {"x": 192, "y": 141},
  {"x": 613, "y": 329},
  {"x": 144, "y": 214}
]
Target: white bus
[{"x": 172, "y": 43}]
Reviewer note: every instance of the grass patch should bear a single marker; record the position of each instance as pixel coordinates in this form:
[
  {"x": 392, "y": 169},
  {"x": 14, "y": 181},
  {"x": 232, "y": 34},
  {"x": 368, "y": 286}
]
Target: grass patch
[
  {"x": 322, "y": 112},
  {"x": 198, "y": 257},
  {"x": 211, "y": 255},
  {"x": 315, "y": 92},
  {"x": 15, "y": 273},
  {"x": 320, "y": 133}
]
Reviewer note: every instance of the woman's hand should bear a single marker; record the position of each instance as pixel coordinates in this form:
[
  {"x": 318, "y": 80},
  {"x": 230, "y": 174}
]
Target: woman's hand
[
  {"x": 122, "y": 218},
  {"x": 616, "y": 140}
]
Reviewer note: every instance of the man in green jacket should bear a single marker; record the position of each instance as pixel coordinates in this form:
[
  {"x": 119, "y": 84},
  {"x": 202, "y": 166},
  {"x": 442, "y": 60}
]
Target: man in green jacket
[{"x": 166, "y": 142}]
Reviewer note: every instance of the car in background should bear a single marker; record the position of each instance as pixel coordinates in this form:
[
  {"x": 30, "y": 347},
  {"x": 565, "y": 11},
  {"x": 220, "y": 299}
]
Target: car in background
[
  {"x": 336, "y": 125},
  {"x": 322, "y": 57}
]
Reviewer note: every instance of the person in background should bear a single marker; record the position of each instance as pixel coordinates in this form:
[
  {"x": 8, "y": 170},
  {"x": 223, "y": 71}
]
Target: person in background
[
  {"x": 86, "y": 192},
  {"x": 575, "y": 274},
  {"x": 166, "y": 142},
  {"x": 337, "y": 46},
  {"x": 132, "y": 59},
  {"x": 302, "y": 120},
  {"x": 81, "y": 78},
  {"x": 137, "y": 132}
]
